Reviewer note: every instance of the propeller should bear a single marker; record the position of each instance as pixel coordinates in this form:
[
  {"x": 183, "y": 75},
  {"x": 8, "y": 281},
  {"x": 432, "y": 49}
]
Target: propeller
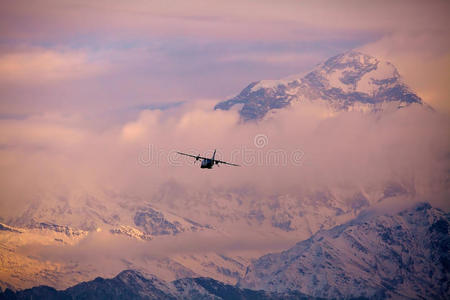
[{"x": 197, "y": 158}]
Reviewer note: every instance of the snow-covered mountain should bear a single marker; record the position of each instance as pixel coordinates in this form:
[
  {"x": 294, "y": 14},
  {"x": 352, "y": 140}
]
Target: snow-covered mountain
[
  {"x": 57, "y": 222},
  {"x": 131, "y": 284},
  {"x": 20, "y": 269},
  {"x": 406, "y": 255},
  {"x": 106, "y": 211},
  {"x": 378, "y": 255},
  {"x": 297, "y": 215},
  {"x": 217, "y": 213},
  {"x": 349, "y": 81},
  {"x": 24, "y": 265}
]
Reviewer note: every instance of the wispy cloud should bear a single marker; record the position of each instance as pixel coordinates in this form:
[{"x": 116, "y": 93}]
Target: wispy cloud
[
  {"x": 121, "y": 55},
  {"x": 44, "y": 65}
]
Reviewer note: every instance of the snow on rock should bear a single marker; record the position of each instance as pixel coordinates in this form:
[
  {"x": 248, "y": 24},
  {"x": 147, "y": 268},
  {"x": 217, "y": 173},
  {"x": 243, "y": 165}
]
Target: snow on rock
[
  {"x": 131, "y": 284},
  {"x": 376, "y": 256},
  {"x": 344, "y": 81},
  {"x": 131, "y": 232},
  {"x": 154, "y": 222},
  {"x": 268, "y": 84}
]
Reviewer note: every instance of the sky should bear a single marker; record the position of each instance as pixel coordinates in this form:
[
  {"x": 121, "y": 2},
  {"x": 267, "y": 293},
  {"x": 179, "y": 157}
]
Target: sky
[{"x": 113, "y": 58}]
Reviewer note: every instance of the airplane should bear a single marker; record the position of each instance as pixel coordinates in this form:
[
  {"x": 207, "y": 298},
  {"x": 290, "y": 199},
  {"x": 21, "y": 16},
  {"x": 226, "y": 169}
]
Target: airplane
[{"x": 208, "y": 163}]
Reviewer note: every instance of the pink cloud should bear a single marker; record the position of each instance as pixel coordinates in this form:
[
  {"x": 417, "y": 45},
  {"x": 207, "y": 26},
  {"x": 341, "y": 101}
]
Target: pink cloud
[
  {"x": 232, "y": 19},
  {"x": 42, "y": 65}
]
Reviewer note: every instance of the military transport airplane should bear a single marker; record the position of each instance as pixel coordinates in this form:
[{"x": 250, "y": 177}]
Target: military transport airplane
[{"x": 208, "y": 163}]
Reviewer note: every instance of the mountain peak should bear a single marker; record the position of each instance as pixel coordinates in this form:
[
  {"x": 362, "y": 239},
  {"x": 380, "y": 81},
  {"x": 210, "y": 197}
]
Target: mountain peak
[
  {"x": 351, "y": 57},
  {"x": 356, "y": 72},
  {"x": 348, "y": 81}
]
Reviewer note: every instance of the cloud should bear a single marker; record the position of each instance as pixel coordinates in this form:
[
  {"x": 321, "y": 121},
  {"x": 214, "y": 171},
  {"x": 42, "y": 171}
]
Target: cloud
[
  {"x": 305, "y": 149},
  {"x": 38, "y": 132},
  {"x": 43, "y": 65},
  {"x": 230, "y": 20},
  {"x": 273, "y": 58},
  {"x": 100, "y": 245}
]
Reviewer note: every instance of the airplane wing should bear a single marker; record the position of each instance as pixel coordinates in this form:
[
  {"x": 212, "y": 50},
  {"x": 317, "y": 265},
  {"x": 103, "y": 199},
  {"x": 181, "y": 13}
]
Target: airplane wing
[
  {"x": 225, "y": 163},
  {"x": 197, "y": 157}
]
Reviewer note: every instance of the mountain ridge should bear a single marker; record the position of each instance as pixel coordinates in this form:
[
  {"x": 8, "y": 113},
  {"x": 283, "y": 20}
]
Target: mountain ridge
[
  {"x": 282, "y": 217},
  {"x": 405, "y": 255},
  {"x": 132, "y": 284}
]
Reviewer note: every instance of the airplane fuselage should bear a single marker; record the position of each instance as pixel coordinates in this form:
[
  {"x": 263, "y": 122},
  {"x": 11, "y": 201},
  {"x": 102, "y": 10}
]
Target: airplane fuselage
[{"x": 207, "y": 164}]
